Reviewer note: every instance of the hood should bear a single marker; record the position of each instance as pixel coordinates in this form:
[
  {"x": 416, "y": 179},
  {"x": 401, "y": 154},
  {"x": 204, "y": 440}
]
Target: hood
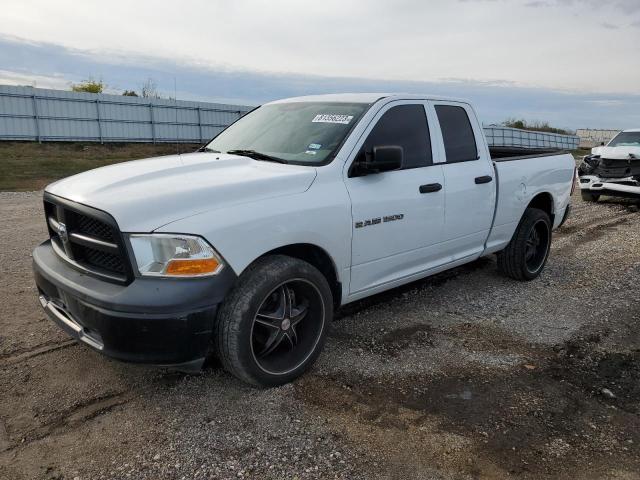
[
  {"x": 616, "y": 153},
  {"x": 143, "y": 195}
]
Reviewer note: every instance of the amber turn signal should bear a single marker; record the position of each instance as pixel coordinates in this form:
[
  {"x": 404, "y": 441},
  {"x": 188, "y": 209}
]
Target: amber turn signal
[{"x": 192, "y": 267}]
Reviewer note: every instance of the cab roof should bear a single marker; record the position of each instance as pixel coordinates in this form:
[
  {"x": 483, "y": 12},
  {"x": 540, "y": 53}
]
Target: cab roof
[{"x": 367, "y": 98}]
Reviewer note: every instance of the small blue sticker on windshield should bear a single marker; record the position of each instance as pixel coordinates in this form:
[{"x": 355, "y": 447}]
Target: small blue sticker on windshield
[{"x": 314, "y": 146}]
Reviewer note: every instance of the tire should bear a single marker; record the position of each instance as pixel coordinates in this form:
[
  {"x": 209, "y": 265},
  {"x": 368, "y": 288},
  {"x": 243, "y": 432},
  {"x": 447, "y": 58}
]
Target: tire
[
  {"x": 589, "y": 197},
  {"x": 272, "y": 326},
  {"x": 521, "y": 259}
]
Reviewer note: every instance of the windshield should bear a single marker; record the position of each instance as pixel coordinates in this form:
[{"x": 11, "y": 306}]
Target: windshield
[
  {"x": 626, "y": 139},
  {"x": 301, "y": 132}
]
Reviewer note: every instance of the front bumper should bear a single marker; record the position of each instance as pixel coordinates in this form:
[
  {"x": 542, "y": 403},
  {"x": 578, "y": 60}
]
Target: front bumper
[
  {"x": 159, "y": 321},
  {"x": 619, "y": 187}
]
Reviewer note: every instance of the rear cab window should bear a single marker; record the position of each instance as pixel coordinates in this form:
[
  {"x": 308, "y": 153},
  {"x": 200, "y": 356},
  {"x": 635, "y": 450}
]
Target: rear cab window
[{"x": 457, "y": 134}]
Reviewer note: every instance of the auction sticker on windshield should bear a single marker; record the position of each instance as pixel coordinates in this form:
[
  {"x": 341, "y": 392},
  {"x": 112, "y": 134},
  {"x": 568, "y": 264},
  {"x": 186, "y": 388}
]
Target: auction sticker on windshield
[{"x": 327, "y": 118}]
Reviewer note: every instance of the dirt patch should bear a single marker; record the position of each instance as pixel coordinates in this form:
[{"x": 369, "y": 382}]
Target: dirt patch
[
  {"x": 389, "y": 343},
  {"x": 487, "y": 337},
  {"x": 593, "y": 234},
  {"x": 613, "y": 377},
  {"x": 412, "y": 336},
  {"x": 548, "y": 419},
  {"x": 592, "y": 225}
]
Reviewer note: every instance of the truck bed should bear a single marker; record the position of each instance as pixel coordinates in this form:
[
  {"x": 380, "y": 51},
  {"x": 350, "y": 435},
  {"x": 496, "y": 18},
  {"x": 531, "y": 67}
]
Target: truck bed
[
  {"x": 504, "y": 154},
  {"x": 519, "y": 182}
]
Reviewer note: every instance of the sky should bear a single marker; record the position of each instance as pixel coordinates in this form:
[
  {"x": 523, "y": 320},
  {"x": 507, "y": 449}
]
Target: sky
[{"x": 573, "y": 63}]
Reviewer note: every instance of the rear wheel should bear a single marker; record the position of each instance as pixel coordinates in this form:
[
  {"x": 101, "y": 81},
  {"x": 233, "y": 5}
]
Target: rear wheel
[
  {"x": 589, "y": 197},
  {"x": 271, "y": 327},
  {"x": 526, "y": 254}
]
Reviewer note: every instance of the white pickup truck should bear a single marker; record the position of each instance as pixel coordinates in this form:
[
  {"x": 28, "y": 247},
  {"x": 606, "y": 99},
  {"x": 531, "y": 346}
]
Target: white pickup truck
[
  {"x": 243, "y": 249},
  {"x": 612, "y": 169}
]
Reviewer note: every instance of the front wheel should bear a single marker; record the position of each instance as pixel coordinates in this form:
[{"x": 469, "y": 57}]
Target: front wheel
[
  {"x": 526, "y": 254},
  {"x": 272, "y": 326}
]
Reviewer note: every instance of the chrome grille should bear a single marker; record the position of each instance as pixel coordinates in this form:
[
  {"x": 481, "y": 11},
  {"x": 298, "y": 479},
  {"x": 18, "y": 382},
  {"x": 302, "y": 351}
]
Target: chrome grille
[{"x": 87, "y": 238}]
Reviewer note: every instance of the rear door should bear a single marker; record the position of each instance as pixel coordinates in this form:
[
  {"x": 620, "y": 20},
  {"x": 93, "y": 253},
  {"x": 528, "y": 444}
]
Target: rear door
[
  {"x": 470, "y": 186},
  {"x": 398, "y": 215}
]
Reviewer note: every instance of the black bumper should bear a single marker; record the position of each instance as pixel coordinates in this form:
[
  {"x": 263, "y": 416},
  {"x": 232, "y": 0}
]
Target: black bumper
[{"x": 159, "y": 321}]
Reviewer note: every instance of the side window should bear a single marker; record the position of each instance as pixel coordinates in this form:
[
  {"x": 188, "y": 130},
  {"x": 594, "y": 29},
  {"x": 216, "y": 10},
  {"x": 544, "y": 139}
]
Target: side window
[
  {"x": 459, "y": 142},
  {"x": 405, "y": 126}
]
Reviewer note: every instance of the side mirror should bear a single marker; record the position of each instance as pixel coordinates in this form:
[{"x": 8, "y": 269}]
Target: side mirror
[
  {"x": 388, "y": 157},
  {"x": 602, "y": 144},
  {"x": 383, "y": 158}
]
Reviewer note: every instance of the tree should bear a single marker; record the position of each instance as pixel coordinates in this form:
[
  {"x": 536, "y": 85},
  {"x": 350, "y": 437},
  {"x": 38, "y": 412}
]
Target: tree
[
  {"x": 90, "y": 85},
  {"x": 129, "y": 93},
  {"x": 535, "y": 126},
  {"x": 150, "y": 89}
]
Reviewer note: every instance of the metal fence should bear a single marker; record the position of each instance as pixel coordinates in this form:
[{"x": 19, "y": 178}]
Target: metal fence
[
  {"x": 513, "y": 137},
  {"x": 28, "y": 113}
]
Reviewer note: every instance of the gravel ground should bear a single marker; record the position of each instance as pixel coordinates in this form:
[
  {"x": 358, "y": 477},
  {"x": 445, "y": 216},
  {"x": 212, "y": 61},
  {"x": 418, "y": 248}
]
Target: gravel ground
[{"x": 465, "y": 375}]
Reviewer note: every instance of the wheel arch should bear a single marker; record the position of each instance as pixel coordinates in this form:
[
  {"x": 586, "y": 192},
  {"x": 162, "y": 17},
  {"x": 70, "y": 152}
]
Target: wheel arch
[
  {"x": 544, "y": 201},
  {"x": 316, "y": 256}
]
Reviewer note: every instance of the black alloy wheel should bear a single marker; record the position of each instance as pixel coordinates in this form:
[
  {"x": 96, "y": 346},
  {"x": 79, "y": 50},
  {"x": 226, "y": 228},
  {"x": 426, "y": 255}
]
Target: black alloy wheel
[
  {"x": 526, "y": 254},
  {"x": 537, "y": 246},
  {"x": 287, "y": 326}
]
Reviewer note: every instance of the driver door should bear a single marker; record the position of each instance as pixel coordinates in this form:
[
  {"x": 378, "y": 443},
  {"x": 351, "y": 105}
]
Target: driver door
[{"x": 398, "y": 216}]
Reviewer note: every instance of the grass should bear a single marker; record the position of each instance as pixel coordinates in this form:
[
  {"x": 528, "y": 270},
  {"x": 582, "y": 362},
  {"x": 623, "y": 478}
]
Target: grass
[
  {"x": 581, "y": 152},
  {"x": 26, "y": 166}
]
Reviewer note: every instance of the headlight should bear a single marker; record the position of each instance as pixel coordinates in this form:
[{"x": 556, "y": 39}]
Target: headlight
[{"x": 169, "y": 255}]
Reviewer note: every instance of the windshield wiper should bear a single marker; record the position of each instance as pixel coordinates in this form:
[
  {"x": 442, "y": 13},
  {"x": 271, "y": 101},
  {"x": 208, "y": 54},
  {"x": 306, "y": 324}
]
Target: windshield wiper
[
  {"x": 207, "y": 149},
  {"x": 256, "y": 155}
]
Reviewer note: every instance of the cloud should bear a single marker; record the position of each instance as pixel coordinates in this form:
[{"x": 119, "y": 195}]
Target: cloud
[
  {"x": 25, "y": 78},
  {"x": 626, "y": 6},
  {"x": 487, "y": 83},
  {"x": 610, "y": 26},
  {"x": 607, "y": 102},
  {"x": 55, "y": 66},
  {"x": 400, "y": 40},
  {"x": 537, "y": 4}
]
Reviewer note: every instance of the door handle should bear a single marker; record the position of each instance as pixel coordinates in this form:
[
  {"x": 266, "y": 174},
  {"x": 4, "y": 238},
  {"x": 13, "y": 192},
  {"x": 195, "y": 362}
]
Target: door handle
[
  {"x": 430, "y": 187},
  {"x": 484, "y": 179}
]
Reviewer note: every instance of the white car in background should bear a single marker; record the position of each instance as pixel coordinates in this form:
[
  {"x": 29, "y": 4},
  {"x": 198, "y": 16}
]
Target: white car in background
[{"x": 612, "y": 169}]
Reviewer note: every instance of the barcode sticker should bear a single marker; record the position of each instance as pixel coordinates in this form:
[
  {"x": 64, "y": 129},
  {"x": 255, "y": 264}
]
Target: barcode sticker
[{"x": 327, "y": 118}]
